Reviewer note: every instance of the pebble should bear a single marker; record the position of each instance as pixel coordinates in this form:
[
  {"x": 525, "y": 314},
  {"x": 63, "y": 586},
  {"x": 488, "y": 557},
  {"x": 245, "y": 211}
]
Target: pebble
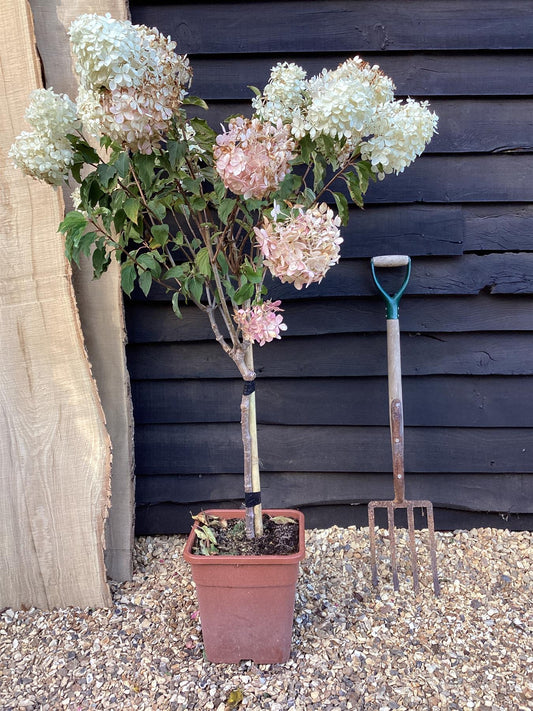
[{"x": 354, "y": 646}]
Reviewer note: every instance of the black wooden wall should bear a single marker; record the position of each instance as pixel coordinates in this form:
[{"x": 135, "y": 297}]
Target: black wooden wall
[{"x": 462, "y": 212}]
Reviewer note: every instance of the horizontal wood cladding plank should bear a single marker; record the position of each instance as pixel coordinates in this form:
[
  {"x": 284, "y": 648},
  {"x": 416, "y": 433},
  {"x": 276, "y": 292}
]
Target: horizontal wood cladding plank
[
  {"x": 467, "y": 275},
  {"x": 458, "y": 179},
  {"x": 421, "y": 74},
  {"x": 470, "y": 274},
  {"x": 323, "y": 26},
  {"x": 431, "y": 401},
  {"x": 512, "y": 493},
  {"x": 217, "y": 448},
  {"x": 498, "y": 227},
  {"x": 169, "y": 518},
  {"x": 466, "y": 125},
  {"x": 347, "y": 355},
  {"x": 149, "y": 322}
]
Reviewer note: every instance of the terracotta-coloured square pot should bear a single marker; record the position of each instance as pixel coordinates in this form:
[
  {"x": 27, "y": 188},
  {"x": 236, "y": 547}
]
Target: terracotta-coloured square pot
[{"x": 246, "y": 602}]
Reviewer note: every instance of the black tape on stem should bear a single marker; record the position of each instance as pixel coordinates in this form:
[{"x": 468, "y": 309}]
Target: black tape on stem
[
  {"x": 249, "y": 387},
  {"x": 252, "y": 498}
]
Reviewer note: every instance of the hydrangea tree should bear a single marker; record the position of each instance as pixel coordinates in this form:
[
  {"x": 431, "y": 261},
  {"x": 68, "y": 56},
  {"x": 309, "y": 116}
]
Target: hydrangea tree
[{"x": 208, "y": 216}]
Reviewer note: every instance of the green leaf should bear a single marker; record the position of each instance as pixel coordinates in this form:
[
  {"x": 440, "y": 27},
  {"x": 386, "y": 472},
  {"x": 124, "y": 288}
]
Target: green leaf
[
  {"x": 354, "y": 187},
  {"x": 177, "y": 150},
  {"x": 254, "y": 89},
  {"x": 319, "y": 170},
  {"x": 178, "y": 272},
  {"x": 244, "y": 292},
  {"x": 86, "y": 153},
  {"x": 289, "y": 185},
  {"x": 175, "y": 304},
  {"x": 306, "y": 148},
  {"x": 131, "y": 208},
  {"x": 203, "y": 262},
  {"x": 145, "y": 166},
  {"x": 252, "y": 275},
  {"x": 160, "y": 235},
  {"x": 106, "y": 173},
  {"x": 101, "y": 261},
  {"x": 342, "y": 207},
  {"x": 195, "y": 101},
  {"x": 225, "y": 208},
  {"x": 122, "y": 164},
  {"x": 127, "y": 277},
  {"x": 145, "y": 282},
  {"x": 196, "y": 288},
  {"x": 74, "y": 223}
]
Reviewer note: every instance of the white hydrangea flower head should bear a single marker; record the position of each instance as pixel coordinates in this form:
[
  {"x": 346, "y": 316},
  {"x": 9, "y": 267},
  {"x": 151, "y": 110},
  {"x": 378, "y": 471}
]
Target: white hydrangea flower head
[
  {"x": 42, "y": 157},
  {"x": 286, "y": 90},
  {"x": 107, "y": 51},
  {"x": 132, "y": 82},
  {"x": 401, "y": 132},
  {"x": 50, "y": 114},
  {"x": 343, "y": 101}
]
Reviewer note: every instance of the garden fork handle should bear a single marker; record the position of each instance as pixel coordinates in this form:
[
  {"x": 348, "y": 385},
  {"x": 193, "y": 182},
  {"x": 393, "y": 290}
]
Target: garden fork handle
[{"x": 394, "y": 368}]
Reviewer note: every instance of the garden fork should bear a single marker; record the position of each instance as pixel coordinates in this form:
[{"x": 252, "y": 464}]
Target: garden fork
[{"x": 397, "y": 441}]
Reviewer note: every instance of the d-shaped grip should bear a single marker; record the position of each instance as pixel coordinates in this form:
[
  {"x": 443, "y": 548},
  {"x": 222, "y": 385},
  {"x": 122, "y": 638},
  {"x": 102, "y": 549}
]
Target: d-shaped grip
[{"x": 390, "y": 260}]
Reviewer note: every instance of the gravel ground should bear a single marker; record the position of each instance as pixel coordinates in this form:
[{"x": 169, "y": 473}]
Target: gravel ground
[{"x": 354, "y": 647}]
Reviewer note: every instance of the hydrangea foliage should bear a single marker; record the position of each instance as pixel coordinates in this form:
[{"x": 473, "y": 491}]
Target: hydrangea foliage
[{"x": 212, "y": 218}]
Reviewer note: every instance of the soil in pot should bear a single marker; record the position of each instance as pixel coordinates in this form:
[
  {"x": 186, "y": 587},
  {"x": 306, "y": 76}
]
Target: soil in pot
[{"x": 220, "y": 536}]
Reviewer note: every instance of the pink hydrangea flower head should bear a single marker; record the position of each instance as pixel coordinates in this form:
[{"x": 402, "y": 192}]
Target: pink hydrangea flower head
[
  {"x": 261, "y": 323},
  {"x": 301, "y": 249},
  {"x": 252, "y": 157}
]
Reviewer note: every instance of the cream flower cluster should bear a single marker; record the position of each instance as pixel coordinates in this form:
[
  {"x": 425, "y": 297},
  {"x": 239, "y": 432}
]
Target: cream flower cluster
[
  {"x": 261, "y": 323},
  {"x": 343, "y": 101},
  {"x": 285, "y": 91},
  {"x": 252, "y": 157},
  {"x": 401, "y": 132},
  {"x": 301, "y": 249},
  {"x": 131, "y": 80},
  {"x": 45, "y": 153}
]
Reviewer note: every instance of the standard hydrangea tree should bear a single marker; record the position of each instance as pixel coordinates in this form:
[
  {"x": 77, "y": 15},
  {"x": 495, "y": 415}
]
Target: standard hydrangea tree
[{"x": 208, "y": 216}]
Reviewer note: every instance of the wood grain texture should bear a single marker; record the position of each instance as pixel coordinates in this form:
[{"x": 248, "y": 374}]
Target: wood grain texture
[
  {"x": 463, "y": 212},
  {"x": 348, "y": 355},
  {"x": 215, "y": 449},
  {"x": 477, "y": 492},
  {"x": 418, "y": 74},
  {"x": 54, "y": 448},
  {"x": 99, "y": 302},
  {"x": 153, "y": 322},
  {"x": 168, "y": 518},
  {"x": 466, "y": 125},
  {"x": 430, "y": 401},
  {"x": 348, "y": 26}
]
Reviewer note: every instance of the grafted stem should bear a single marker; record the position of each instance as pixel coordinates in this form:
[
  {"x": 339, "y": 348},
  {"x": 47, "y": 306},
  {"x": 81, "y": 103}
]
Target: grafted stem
[{"x": 252, "y": 484}]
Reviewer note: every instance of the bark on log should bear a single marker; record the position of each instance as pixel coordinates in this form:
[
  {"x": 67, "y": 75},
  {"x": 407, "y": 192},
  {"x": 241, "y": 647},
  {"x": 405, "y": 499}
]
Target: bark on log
[
  {"x": 99, "y": 302},
  {"x": 54, "y": 447}
]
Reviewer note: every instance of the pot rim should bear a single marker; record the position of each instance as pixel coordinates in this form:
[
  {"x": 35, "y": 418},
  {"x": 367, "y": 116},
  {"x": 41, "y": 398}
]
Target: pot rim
[{"x": 289, "y": 559}]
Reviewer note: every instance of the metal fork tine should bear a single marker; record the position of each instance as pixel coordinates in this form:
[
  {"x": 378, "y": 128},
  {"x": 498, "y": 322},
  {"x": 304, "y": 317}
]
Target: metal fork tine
[
  {"x": 432, "y": 549},
  {"x": 412, "y": 544},
  {"x": 372, "y": 536},
  {"x": 392, "y": 542}
]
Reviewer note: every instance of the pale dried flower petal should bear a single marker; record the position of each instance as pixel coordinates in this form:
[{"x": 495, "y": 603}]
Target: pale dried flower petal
[
  {"x": 252, "y": 157},
  {"x": 301, "y": 249},
  {"x": 261, "y": 323}
]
